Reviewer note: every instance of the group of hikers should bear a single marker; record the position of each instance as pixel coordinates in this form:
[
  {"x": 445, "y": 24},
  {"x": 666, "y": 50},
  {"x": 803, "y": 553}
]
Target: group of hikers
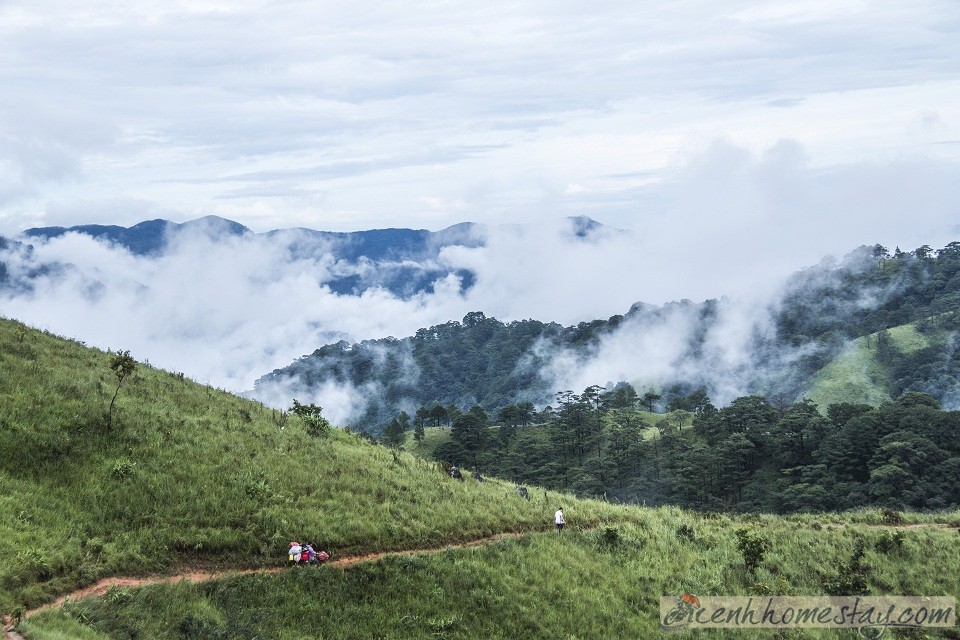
[
  {"x": 558, "y": 518},
  {"x": 306, "y": 554}
]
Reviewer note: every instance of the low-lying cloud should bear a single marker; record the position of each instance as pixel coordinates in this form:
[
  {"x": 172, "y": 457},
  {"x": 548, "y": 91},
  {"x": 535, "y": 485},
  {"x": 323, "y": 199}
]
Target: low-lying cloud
[{"x": 226, "y": 310}]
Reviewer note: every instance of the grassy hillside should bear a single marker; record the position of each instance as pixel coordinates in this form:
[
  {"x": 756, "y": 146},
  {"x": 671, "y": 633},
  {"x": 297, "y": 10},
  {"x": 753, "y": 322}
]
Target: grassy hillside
[
  {"x": 604, "y": 583},
  {"x": 433, "y": 437},
  {"x": 188, "y": 476},
  {"x": 857, "y": 374},
  {"x": 191, "y": 474}
]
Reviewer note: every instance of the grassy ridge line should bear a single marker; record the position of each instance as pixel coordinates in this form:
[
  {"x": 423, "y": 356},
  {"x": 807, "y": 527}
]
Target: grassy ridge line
[
  {"x": 192, "y": 474},
  {"x": 600, "y": 584}
]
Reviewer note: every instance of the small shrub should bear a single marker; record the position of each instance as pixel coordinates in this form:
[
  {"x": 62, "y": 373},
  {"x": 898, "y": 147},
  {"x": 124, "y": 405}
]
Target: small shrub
[
  {"x": 852, "y": 578},
  {"x": 310, "y": 414},
  {"x": 256, "y": 487},
  {"x": 442, "y": 627},
  {"x": 118, "y": 595},
  {"x": 609, "y": 539},
  {"x": 196, "y": 627},
  {"x": 891, "y": 517},
  {"x": 122, "y": 469},
  {"x": 686, "y": 532},
  {"x": 753, "y": 548},
  {"x": 889, "y": 542},
  {"x": 35, "y": 562}
]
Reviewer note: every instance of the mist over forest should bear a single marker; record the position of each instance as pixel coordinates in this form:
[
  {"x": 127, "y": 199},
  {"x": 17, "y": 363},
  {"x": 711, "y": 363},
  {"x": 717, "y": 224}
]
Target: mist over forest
[{"x": 369, "y": 323}]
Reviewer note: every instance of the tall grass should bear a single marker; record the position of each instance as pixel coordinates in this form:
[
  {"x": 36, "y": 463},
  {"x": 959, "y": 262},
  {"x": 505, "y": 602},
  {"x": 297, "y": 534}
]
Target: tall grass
[
  {"x": 604, "y": 583},
  {"x": 192, "y": 474},
  {"x": 857, "y": 375}
]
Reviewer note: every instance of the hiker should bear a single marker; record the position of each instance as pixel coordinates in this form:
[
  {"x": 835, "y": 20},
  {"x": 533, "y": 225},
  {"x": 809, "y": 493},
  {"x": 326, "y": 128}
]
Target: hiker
[
  {"x": 523, "y": 492},
  {"x": 558, "y": 519},
  {"x": 309, "y": 555},
  {"x": 295, "y": 552},
  {"x": 455, "y": 473}
]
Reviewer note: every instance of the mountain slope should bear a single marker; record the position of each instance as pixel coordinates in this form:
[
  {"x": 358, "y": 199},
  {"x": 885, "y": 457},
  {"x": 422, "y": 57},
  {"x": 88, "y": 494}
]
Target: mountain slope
[
  {"x": 807, "y": 341},
  {"x": 597, "y": 584},
  {"x": 190, "y": 476},
  {"x": 859, "y": 374},
  {"x": 405, "y": 262},
  {"x": 191, "y": 472},
  {"x": 477, "y": 361}
]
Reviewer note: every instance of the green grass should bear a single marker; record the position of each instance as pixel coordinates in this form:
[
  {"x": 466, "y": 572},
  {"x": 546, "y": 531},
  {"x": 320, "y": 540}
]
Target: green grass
[
  {"x": 573, "y": 585},
  {"x": 191, "y": 474},
  {"x": 433, "y": 437},
  {"x": 856, "y": 375}
]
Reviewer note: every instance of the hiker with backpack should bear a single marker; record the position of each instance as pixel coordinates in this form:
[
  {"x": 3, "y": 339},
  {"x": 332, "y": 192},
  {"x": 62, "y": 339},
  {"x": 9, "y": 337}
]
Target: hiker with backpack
[
  {"x": 306, "y": 554},
  {"x": 295, "y": 552}
]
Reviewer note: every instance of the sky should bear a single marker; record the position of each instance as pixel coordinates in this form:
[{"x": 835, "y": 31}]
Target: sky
[
  {"x": 736, "y": 142},
  {"x": 347, "y": 116}
]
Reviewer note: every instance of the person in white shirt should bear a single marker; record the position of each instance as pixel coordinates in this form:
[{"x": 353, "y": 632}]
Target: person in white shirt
[{"x": 558, "y": 519}]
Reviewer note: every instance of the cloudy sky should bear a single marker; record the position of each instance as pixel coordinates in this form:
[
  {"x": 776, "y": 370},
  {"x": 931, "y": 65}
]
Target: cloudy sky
[
  {"x": 662, "y": 117},
  {"x": 737, "y": 141}
]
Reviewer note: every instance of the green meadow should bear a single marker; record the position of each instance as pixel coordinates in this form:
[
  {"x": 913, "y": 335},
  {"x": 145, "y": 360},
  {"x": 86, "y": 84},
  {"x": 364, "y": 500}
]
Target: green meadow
[
  {"x": 599, "y": 583},
  {"x": 186, "y": 477},
  {"x": 856, "y": 375},
  {"x": 189, "y": 474}
]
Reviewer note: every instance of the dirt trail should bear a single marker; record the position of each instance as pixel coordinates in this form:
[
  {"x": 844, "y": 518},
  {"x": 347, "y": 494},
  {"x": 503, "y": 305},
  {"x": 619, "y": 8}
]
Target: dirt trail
[
  {"x": 893, "y": 527},
  {"x": 104, "y": 586}
]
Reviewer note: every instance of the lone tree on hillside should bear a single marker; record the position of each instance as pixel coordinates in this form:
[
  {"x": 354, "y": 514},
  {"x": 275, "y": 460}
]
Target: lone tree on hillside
[
  {"x": 650, "y": 398},
  {"x": 393, "y": 434},
  {"x": 122, "y": 366},
  {"x": 310, "y": 414}
]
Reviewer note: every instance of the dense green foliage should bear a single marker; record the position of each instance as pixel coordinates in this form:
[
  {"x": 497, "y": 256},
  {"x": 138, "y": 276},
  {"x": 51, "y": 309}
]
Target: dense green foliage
[
  {"x": 482, "y": 361},
  {"x": 187, "y": 472},
  {"x": 604, "y": 583},
  {"x": 749, "y": 456},
  {"x": 870, "y": 291},
  {"x": 477, "y": 361},
  {"x": 904, "y": 287}
]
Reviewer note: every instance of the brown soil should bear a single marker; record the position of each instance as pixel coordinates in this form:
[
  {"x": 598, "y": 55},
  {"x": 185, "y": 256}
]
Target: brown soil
[{"x": 900, "y": 527}]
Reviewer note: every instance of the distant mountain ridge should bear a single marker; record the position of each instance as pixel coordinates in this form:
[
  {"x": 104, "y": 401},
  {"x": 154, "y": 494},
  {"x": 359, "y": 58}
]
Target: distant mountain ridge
[
  {"x": 148, "y": 238},
  {"x": 403, "y": 261}
]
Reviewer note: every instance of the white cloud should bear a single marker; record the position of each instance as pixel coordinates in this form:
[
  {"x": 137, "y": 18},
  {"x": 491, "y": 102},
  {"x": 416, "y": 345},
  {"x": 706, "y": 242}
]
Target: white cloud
[
  {"x": 737, "y": 142},
  {"x": 348, "y": 115},
  {"x": 731, "y": 222}
]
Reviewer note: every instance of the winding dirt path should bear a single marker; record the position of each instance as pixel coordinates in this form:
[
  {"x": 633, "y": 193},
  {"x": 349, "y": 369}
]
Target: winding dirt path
[{"x": 104, "y": 586}]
